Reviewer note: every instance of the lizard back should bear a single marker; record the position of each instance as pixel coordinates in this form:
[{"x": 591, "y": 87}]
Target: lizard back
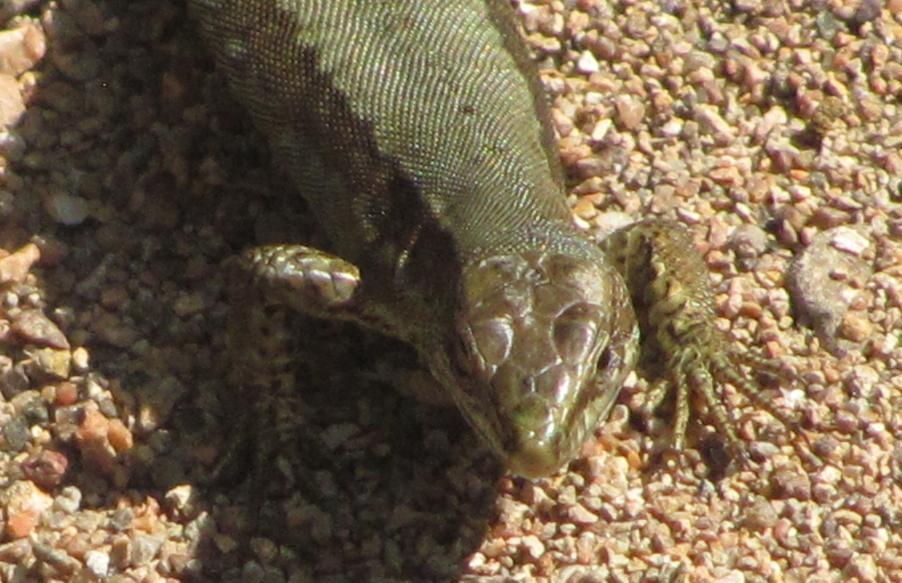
[{"x": 410, "y": 126}]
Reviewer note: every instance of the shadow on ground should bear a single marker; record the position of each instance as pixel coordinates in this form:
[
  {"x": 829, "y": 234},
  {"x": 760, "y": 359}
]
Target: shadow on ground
[{"x": 127, "y": 122}]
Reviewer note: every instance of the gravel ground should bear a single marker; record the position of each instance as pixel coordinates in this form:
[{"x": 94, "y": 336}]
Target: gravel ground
[{"x": 772, "y": 129}]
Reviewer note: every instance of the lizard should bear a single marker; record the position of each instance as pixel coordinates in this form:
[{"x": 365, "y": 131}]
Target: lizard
[{"x": 420, "y": 136}]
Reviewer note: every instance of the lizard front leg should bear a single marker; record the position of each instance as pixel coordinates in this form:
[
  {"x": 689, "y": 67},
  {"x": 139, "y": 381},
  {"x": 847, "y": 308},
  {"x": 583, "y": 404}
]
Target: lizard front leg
[
  {"x": 669, "y": 287},
  {"x": 266, "y": 285}
]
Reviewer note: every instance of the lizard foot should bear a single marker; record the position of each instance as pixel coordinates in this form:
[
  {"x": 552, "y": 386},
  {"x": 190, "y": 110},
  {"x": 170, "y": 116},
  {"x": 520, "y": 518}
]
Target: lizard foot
[{"x": 668, "y": 283}]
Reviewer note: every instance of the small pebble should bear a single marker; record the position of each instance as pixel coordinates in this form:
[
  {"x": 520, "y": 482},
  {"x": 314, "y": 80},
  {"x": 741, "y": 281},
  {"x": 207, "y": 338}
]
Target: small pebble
[
  {"x": 67, "y": 209},
  {"x": 12, "y": 107},
  {"x": 587, "y": 63},
  {"x": 817, "y": 293},
  {"x": 182, "y": 500},
  {"x": 16, "y": 266},
  {"x": 68, "y": 500},
  {"x": 578, "y": 514},
  {"x": 791, "y": 484},
  {"x": 760, "y": 516},
  {"x": 145, "y": 548},
  {"x": 92, "y": 439},
  {"x": 46, "y": 468},
  {"x": 97, "y": 563},
  {"x": 16, "y": 434},
  {"x": 50, "y": 363},
  {"x": 20, "y": 524},
  {"x": 15, "y": 552},
  {"x": 34, "y": 327},
  {"x": 123, "y": 519}
]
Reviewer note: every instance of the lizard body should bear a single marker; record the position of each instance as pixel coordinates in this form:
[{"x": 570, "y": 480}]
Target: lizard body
[{"x": 418, "y": 133}]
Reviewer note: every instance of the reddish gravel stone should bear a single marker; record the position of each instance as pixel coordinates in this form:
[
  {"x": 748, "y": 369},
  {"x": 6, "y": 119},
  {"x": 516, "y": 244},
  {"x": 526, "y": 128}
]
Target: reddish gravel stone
[
  {"x": 20, "y": 524},
  {"x": 119, "y": 436},
  {"x": 66, "y": 393},
  {"x": 46, "y": 469},
  {"x": 92, "y": 439}
]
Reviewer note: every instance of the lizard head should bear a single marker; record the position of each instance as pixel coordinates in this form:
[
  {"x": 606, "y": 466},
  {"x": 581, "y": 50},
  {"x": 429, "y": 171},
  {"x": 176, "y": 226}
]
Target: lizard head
[{"x": 541, "y": 345}]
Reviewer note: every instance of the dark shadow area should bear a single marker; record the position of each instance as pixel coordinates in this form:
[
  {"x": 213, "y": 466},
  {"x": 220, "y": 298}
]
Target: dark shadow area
[{"x": 127, "y": 122}]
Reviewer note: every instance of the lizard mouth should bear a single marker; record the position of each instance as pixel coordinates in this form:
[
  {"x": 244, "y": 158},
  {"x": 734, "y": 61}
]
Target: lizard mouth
[
  {"x": 537, "y": 422},
  {"x": 544, "y": 430},
  {"x": 534, "y": 460}
]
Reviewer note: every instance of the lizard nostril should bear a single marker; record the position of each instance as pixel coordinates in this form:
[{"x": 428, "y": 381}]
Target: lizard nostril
[
  {"x": 460, "y": 356},
  {"x": 604, "y": 360}
]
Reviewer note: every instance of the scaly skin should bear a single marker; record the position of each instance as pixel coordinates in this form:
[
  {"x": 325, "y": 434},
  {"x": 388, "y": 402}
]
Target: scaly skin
[{"x": 419, "y": 135}]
